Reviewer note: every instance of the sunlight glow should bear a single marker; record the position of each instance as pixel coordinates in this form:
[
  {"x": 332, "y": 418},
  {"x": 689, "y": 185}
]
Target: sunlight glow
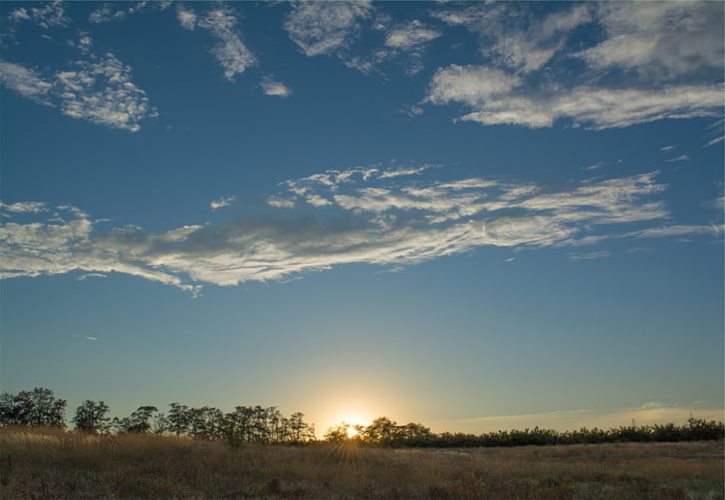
[{"x": 351, "y": 432}]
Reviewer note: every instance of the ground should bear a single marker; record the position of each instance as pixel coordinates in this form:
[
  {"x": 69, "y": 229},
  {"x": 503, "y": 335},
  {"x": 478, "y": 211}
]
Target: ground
[{"x": 51, "y": 464}]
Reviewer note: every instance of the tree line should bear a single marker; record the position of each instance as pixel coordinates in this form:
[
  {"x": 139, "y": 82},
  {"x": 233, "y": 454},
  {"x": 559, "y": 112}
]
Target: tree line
[
  {"x": 256, "y": 424},
  {"x": 245, "y": 424},
  {"x": 384, "y": 432}
]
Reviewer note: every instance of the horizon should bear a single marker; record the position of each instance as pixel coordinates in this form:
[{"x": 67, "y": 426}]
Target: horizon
[{"x": 474, "y": 216}]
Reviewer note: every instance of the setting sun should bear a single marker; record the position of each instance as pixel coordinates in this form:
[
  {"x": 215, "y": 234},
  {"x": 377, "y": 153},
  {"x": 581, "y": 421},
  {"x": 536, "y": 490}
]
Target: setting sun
[{"x": 351, "y": 432}]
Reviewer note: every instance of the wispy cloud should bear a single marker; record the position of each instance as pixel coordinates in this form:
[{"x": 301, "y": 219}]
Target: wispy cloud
[
  {"x": 365, "y": 215},
  {"x": 600, "y": 254},
  {"x": 98, "y": 89},
  {"x": 274, "y": 88},
  {"x": 32, "y": 207},
  {"x": 666, "y": 149},
  {"x": 498, "y": 98},
  {"x": 222, "y": 202},
  {"x": 679, "y": 158},
  {"x": 46, "y": 15},
  {"x": 323, "y": 28},
  {"x": 526, "y": 77},
  {"x": 109, "y": 12},
  {"x": 84, "y": 277},
  {"x": 511, "y": 37},
  {"x": 660, "y": 39},
  {"x": 230, "y": 52}
]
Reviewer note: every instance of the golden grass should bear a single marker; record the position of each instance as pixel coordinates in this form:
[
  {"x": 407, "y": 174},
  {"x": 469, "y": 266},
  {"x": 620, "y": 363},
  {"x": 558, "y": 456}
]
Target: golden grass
[{"x": 55, "y": 464}]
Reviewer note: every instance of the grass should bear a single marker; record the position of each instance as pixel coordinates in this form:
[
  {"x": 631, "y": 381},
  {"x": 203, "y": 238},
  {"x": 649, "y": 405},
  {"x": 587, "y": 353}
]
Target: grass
[{"x": 55, "y": 464}]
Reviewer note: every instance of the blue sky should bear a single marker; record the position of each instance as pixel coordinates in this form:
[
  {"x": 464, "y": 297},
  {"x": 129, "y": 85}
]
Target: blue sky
[{"x": 471, "y": 215}]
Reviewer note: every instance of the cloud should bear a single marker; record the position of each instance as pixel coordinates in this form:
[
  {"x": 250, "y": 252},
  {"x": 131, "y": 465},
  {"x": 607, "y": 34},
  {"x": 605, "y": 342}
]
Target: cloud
[
  {"x": 588, "y": 255},
  {"x": 92, "y": 339},
  {"x": 276, "y": 202},
  {"x": 366, "y": 217},
  {"x": 497, "y": 98},
  {"x": 107, "y": 13},
  {"x": 679, "y": 158},
  {"x": 511, "y": 37},
  {"x": 84, "y": 277},
  {"x": 222, "y": 202},
  {"x": 48, "y": 15},
  {"x": 33, "y": 207},
  {"x": 651, "y": 61},
  {"x": 660, "y": 39},
  {"x": 24, "y": 81},
  {"x": 98, "y": 89},
  {"x": 230, "y": 52},
  {"x": 275, "y": 88},
  {"x": 323, "y": 28},
  {"x": 665, "y": 149}
]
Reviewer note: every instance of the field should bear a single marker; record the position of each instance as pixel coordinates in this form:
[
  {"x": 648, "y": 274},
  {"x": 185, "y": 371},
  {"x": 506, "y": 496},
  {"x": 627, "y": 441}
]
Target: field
[{"x": 55, "y": 464}]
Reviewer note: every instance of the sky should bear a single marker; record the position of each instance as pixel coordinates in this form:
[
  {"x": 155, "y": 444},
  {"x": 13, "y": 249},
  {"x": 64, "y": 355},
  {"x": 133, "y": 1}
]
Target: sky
[{"x": 476, "y": 216}]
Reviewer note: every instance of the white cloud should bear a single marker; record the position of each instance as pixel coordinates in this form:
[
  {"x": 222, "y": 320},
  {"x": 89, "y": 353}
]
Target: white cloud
[
  {"x": 276, "y": 202},
  {"x": 496, "y": 98},
  {"x": 322, "y": 28},
  {"x": 84, "y": 277},
  {"x": 600, "y": 254},
  {"x": 32, "y": 207},
  {"x": 660, "y": 39},
  {"x": 98, "y": 89},
  {"x": 230, "y": 52},
  {"x": 275, "y": 88},
  {"x": 679, "y": 158},
  {"x": 107, "y": 13},
  {"x": 393, "y": 221},
  {"x": 665, "y": 57},
  {"x": 472, "y": 85},
  {"x": 85, "y": 44},
  {"x": 24, "y": 81},
  {"x": 48, "y": 15},
  {"x": 187, "y": 18},
  {"x": 411, "y": 36},
  {"x": 92, "y": 339},
  {"x": 511, "y": 37},
  {"x": 222, "y": 202},
  {"x": 665, "y": 149},
  {"x": 317, "y": 201}
]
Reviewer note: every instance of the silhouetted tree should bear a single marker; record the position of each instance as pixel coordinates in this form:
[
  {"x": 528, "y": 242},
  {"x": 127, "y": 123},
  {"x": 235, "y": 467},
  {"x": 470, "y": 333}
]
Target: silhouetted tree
[
  {"x": 178, "y": 418},
  {"x": 91, "y": 416},
  {"x": 38, "y": 407},
  {"x": 138, "y": 421}
]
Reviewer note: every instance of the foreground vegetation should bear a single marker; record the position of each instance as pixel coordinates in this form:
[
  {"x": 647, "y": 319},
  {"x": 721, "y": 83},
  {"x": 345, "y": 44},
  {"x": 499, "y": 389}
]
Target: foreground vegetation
[{"x": 50, "y": 463}]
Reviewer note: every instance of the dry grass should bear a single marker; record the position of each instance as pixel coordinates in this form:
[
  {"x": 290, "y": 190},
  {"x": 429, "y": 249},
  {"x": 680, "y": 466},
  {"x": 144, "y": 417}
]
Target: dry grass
[{"x": 52, "y": 464}]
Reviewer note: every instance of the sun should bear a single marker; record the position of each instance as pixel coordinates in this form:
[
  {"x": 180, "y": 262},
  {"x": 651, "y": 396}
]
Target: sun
[{"x": 351, "y": 432}]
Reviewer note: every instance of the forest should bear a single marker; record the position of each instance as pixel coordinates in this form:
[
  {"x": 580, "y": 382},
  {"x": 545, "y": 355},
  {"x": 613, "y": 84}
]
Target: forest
[{"x": 255, "y": 424}]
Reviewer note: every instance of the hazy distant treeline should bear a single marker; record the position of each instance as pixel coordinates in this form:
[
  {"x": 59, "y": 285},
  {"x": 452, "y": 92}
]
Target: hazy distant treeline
[
  {"x": 255, "y": 424},
  {"x": 384, "y": 432}
]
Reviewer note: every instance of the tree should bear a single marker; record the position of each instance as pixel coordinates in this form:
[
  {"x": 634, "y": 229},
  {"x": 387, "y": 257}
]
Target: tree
[
  {"x": 178, "y": 418},
  {"x": 38, "y": 407},
  {"x": 381, "y": 431},
  {"x": 138, "y": 421},
  {"x": 91, "y": 416}
]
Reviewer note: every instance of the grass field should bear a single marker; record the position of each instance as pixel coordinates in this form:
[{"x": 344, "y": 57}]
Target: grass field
[{"x": 54, "y": 464}]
